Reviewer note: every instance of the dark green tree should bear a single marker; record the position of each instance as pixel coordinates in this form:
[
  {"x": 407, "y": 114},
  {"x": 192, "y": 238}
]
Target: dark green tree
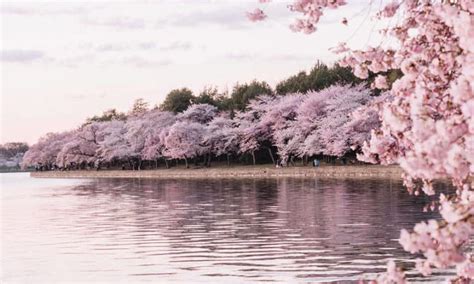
[
  {"x": 321, "y": 76},
  {"x": 140, "y": 106},
  {"x": 211, "y": 96},
  {"x": 10, "y": 150},
  {"x": 243, "y": 93},
  {"x": 178, "y": 100},
  {"x": 207, "y": 96},
  {"x": 294, "y": 84},
  {"x": 108, "y": 115}
]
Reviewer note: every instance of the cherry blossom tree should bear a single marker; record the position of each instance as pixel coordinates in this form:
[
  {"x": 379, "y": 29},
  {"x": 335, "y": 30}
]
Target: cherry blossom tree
[
  {"x": 201, "y": 113},
  {"x": 221, "y": 137},
  {"x": 82, "y": 146},
  {"x": 45, "y": 152},
  {"x": 184, "y": 141},
  {"x": 363, "y": 120},
  {"x": 159, "y": 125},
  {"x": 279, "y": 117},
  {"x": 428, "y": 127},
  {"x": 322, "y": 121},
  {"x": 309, "y": 114},
  {"x": 254, "y": 135},
  {"x": 137, "y": 128},
  {"x": 114, "y": 145},
  {"x": 332, "y": 132}
]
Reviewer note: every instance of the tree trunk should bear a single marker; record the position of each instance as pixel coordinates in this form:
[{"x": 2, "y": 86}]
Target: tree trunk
[
  {"x": 228, "y": 160},
  {"x": 292, "y": 160},
  {"x": 253, "y": 157},
  {"x": 209, "y": 159},
  {"x": 186, "y": 162},
  {"x": 166, "y": 162},
  {"x": 156, "y": 163},
  {"x": 271, "y": 155},
  {"x": 139, "y": 164}
]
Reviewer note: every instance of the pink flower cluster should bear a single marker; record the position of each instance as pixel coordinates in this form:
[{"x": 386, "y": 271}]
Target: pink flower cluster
[
  {"x": 429, "y": 127},
  {"x": 311, "y": 10},
  {"x": 256, "y": 15},
  {"x": 393, "y": 275},
  {"x": 442, "y": 243}
]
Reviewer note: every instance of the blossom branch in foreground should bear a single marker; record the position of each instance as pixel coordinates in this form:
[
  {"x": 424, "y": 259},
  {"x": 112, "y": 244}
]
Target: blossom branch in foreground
[{"x": 428, "y": 126}]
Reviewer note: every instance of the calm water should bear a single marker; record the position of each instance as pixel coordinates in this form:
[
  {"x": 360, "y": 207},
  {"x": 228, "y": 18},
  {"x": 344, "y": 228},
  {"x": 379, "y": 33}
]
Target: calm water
[{"x": 208, "y": 231}]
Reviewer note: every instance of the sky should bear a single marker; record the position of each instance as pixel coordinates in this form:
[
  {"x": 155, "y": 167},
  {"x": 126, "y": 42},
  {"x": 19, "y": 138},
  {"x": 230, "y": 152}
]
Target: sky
[{"x": 64, "y": 61}]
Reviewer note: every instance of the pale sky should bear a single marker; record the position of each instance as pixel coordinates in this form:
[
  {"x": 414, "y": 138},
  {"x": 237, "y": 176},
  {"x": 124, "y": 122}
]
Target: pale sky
[{"x": 64, "y": 61}]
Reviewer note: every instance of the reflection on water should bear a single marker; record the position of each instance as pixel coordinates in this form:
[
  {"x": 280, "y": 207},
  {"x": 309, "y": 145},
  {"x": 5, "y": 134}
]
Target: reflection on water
[{"x": 226, "y": 231}]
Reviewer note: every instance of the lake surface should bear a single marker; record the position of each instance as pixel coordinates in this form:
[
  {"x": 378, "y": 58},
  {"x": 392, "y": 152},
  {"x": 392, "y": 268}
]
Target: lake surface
[{"x": 282, "y": 230}]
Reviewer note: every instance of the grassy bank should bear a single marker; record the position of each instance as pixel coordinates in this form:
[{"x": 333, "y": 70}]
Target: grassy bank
[{"x": 359, "y": 171}]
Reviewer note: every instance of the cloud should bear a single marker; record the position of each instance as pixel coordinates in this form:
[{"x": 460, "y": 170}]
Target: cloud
[
  {"x": 229, "y": 18},
  {"x": 119, "y": 23},
  {"x": 230, "y": 15},
  {"x": 240, "y": 56},
  {"x": 43, "y": 9},
  {"x": 82, "y": 96},
  {"x": 21, "y": 56},
  {"x": 139, "y": 46},
  {"x": 147, "y": 45},
  {"x": 290, "y": 57},
  {"x": 77, "y": 97},
  {"x": 247, "y": 56},
  {"x": 73, "y": 61},
  {"x": 112, "y": 47},
  {"x": 141, "y": 62},
  {"x": 177, "y": 45},
  {"x": 17, "y": 10}
]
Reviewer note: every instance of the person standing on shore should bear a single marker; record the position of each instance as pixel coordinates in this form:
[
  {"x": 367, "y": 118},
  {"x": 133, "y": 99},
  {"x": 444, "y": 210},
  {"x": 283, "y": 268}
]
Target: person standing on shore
[{"x": 316, "y": 163}]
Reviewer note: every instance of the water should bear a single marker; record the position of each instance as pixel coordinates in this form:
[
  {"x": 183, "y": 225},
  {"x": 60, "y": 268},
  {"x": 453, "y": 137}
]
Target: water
[{"x": 202, "y": 231}]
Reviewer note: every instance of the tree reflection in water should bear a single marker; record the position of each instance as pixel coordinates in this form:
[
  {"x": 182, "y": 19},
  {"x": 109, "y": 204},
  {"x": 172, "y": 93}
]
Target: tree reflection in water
[{"x": 261, "y": 229}]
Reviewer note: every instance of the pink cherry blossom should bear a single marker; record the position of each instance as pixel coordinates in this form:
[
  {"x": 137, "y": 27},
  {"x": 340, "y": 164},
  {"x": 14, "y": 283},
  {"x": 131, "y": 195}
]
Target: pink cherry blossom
[
  {"x": 256, "y": 15},
  {"x": 390, "y": 9},
  {"x": 184, "y": 141},
  {"x": 380, "y": 82}
]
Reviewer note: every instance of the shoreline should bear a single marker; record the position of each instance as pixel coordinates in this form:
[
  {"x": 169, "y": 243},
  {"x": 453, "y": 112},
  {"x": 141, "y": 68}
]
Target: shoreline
[{"x": 263, "y": 171}]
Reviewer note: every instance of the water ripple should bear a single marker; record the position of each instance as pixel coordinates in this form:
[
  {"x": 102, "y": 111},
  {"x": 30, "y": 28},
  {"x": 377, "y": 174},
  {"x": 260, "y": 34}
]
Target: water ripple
[{"x": 233, "y": 231}]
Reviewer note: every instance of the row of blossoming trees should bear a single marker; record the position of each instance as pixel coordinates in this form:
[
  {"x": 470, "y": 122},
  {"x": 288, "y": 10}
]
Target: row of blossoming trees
[{"x": 332, "y": 122}]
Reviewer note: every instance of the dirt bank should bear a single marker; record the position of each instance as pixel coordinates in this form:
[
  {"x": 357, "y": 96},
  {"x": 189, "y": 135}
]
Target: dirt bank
[{"x": 366, "y": 171}]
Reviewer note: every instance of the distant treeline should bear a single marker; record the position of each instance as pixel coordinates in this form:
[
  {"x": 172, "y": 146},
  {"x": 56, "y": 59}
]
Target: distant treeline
[{"x": 11, "y": 155}]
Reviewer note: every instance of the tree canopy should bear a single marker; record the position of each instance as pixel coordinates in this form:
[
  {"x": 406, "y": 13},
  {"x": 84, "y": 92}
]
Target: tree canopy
[
  {"x": 108, "y": 115},
  {"x": 177, "y": 100},
  {"x": 321, "y": 76},
  {"x": 243, "y": 93}
]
